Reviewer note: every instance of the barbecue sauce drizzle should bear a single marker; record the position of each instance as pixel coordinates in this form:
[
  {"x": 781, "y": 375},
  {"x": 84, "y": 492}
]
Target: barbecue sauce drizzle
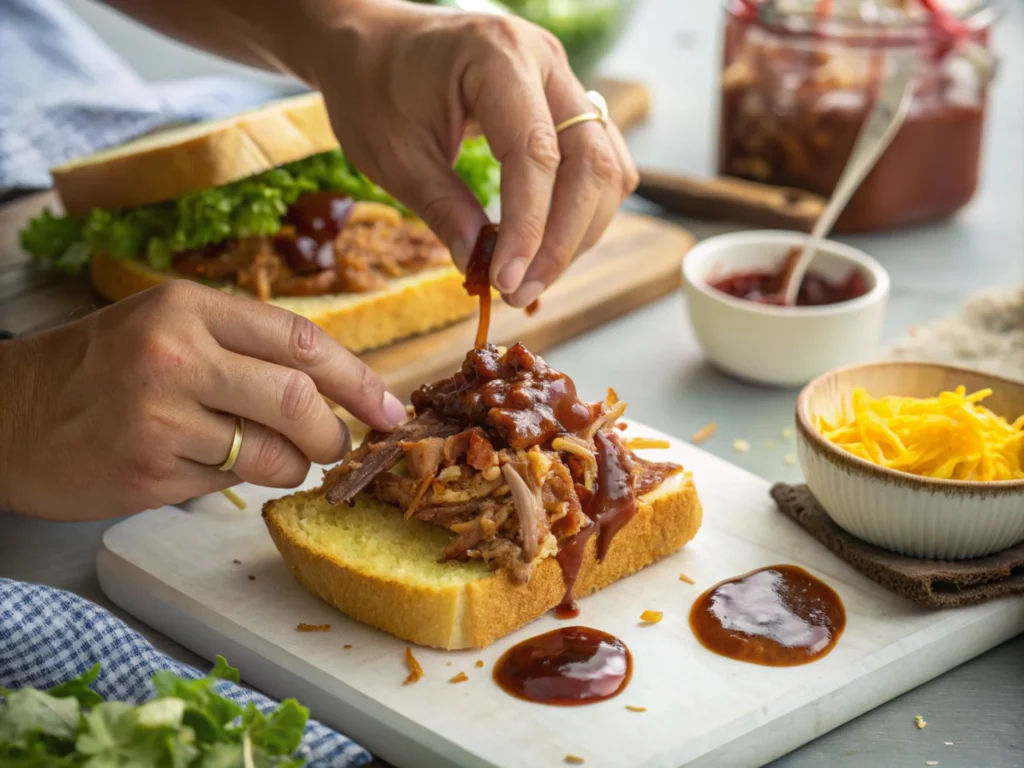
[
  {"x": 614, "y": 502},
  {"x": 568, "y": 666}
]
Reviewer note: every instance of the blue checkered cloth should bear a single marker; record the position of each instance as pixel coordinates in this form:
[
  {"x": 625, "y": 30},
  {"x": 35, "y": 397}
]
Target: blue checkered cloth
[
  {"x": 48, "y": 636},
  {"x": 65, "y": 94}
]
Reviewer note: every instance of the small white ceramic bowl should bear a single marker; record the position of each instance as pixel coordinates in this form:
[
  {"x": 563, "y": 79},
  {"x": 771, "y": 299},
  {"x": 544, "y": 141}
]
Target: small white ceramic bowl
[
  {"x": 912, "y": 515},
  {"x": 780, "y": 346}
]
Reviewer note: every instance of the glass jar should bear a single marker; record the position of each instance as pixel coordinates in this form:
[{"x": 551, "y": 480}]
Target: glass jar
[{"x": 796, "y": 87}]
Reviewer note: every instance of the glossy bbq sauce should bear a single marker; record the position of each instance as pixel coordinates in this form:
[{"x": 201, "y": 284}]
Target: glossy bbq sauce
[
  {"x": 780, "y": 616},
  {"x": 315, "y": 219},
  {"x": 566, "y": 667},
  {"x": 610, "y": 506},
  {"x": 766, "y": 287},
  {"x": 478, "y": 279}
]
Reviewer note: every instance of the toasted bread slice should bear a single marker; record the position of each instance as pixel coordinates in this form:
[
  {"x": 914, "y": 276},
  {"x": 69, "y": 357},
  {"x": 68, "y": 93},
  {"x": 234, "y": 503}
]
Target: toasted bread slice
[
  {"x": 408, "y": 306},
  {"x": 371, "y": 564},
  {"x": 166, "y": 165}
]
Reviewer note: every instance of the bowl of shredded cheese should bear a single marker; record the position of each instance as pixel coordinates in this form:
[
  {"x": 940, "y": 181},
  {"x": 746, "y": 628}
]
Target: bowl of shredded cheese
[{"x": 918, "y": 458}]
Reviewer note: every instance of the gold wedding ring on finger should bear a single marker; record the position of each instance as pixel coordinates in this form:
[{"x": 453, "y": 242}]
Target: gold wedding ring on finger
[
  {"x": 600, "y": 113},
  {"x": 236, "y": 446}
]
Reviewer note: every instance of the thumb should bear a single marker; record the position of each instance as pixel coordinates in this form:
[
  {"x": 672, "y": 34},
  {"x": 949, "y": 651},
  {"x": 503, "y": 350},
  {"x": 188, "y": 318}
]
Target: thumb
[{"x": 432, "y": 190}]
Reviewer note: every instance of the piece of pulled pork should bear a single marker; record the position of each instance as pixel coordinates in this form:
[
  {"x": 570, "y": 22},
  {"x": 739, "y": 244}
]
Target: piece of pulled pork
[{"x": 501, "y": 454}]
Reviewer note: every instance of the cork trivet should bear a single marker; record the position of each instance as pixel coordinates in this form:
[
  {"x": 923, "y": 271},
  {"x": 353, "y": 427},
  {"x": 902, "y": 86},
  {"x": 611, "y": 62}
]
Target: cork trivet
[{"x": 934, "y": 583}]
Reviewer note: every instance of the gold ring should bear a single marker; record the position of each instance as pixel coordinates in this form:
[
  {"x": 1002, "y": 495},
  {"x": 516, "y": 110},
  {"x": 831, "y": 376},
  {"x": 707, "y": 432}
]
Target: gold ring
[
  {"x": 600, "y": 114},
  {"x": 236, "y": 445}
]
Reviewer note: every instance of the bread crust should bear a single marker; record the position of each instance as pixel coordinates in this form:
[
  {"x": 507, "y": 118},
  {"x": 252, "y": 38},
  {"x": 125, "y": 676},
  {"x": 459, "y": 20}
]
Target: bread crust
[
  {"x": 169, "y": 164},
  {"x": 476, "y": 614},
  {"x": 359, "y": 322}
]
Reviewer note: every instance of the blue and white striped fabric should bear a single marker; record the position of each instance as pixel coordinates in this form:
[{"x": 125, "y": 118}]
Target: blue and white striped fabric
[
  {"x": 48, "y": 636},
  {"x": 65, "y": 94}
]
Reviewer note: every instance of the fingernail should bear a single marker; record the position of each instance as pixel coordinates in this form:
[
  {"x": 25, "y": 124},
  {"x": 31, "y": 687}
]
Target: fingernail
[
  {"x": 511, "y": 275},
  {"x": 394, "y": 411},
  {"x": 527, "y": 293}
]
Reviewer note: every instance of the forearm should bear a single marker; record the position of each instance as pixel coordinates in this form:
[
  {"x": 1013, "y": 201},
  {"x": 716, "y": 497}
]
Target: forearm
[{"x": 267, "y": 34}]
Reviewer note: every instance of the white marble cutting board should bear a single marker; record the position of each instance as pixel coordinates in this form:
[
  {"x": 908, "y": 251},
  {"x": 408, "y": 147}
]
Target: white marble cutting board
[{"x": 174, "y": 570}]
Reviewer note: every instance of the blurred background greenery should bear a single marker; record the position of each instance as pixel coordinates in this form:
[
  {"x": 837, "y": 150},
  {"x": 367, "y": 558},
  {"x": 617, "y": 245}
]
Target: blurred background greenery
[{"x": 588, "y": 29}]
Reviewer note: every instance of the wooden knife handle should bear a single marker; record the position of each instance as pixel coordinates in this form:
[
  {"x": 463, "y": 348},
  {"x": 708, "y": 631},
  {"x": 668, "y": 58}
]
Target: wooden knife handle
[{"x": 735, "y": 200}]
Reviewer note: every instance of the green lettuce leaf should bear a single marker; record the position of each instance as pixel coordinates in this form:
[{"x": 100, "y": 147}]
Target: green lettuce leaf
[{"x": 248, "y": 207}]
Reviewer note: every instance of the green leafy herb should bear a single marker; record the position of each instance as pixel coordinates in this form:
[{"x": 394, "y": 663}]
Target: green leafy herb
[
  {"x": 187, "y": 725},
  {"x": 249, "y": 207}
]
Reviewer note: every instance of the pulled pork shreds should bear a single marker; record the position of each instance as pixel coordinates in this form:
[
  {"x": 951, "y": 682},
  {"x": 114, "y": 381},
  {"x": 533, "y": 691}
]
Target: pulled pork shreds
[
  {"x": 329, "y": 245},
  {"x": 505, "y": 456}
]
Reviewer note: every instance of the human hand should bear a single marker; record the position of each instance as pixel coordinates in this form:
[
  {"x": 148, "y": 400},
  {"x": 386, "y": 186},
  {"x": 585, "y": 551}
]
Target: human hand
[
  {"x": 402, "y": 83},
  {"x": 133, "y": 407}
]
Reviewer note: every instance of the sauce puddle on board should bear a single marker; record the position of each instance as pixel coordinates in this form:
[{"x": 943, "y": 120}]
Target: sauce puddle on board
[
  {"x": 779, "y": 616},
  {"x": 566, "y": 667}
]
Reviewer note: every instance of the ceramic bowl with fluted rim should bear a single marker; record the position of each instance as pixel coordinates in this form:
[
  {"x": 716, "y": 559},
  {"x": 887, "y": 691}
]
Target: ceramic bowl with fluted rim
[
  {"x": 773, "y": 345},
  {"x": 900, "y": 512}
]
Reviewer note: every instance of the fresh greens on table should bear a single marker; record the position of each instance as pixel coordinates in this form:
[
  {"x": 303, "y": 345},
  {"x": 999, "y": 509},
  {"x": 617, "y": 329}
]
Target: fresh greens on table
[
  {"x": 249, "y": 207},
  {"x": 187, "y": 725}
]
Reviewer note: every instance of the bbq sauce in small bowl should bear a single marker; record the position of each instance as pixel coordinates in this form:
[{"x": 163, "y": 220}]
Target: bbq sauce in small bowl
[
  {"x": 566, "y": 667},
  {"x": 780, "y": 616}
]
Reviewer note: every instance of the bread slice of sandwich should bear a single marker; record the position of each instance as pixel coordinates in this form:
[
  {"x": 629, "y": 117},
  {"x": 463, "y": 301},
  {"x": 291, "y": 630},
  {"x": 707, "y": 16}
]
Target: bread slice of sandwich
[
  {"x": 503, "y": 497},
  {"x": 264, "y": 205}
]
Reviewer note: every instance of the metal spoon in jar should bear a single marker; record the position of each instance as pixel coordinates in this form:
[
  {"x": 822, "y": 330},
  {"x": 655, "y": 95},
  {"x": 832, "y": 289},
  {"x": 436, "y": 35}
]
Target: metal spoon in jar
[{"x": 881, "y": 125}]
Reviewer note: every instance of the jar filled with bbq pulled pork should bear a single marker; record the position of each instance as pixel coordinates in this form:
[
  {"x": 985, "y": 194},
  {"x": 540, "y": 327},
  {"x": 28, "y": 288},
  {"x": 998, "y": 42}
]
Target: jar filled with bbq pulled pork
[{"x": 800, "y": 77}]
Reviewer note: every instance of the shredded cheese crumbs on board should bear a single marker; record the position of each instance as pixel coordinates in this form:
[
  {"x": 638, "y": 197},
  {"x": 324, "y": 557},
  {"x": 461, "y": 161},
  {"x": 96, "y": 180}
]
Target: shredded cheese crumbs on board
[
  {"x": 948, "y": 437},
  {"x": 415, "y": 670},
  {"x": 459, "y": 678},
  {"x": 651, "y": 617},
  {"x": 687, "y": 579},
  {"x": 919, "y": 721},
  {"x": 740, "y": 446},
  {"x": 574, "y": 760},
  {"x": 235, "y": 499},
  {"x": 479, "y": 662},
  {"x": 631, "y": 708},
  {"x": 640, "y": 443},
  {"x": 303, "y": 627},
  {"x": 789, "y": 458},
  {"x": 704, "y": 433}
]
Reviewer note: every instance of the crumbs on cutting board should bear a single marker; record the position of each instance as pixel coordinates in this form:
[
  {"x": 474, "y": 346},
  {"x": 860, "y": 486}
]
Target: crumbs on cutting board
[
  {"x": 346, "y": 647},
  {"x": 789, "y": 458},
  {"x": 631, "y": 708},
  {"x": 704, "y": 433},
  {"x": 948, "y": 743},
  {"x": 787, "y": 433},
  {"x": 236, "y": 561},
  {"x": 919, "y": 721},
  {"x": 415, "y": 670},
  {"x": 479, "y": 662},
  {"x": 252, "y": 577},
  {"x": 931, "y": 762},
  {"x": 740, "y": 445},
  {"x": 304, "y": 627},
  {"x": 574, "y": 760},
  {"x": 459, "y": 678},
  {"x": 687, "y": 579},
  {"x": 651, "y": 617}
]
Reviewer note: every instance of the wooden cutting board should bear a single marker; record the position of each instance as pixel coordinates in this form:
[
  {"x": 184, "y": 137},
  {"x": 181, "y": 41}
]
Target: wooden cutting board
[
  {"x": 174, "y": 570},
  {"x": 637, "y": 261}
]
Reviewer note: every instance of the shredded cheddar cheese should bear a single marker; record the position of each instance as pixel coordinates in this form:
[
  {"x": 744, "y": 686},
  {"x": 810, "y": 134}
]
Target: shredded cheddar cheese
[
  {"x": 641, "y": 443},
  {"x": 949, "y": 437},
  {"x": 651, "y": 617}
]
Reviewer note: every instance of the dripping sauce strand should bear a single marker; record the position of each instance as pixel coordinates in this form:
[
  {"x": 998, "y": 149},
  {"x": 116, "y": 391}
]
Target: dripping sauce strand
[
  {"x": 478, "y": 278},
  {"x": 609, "y": 507}
]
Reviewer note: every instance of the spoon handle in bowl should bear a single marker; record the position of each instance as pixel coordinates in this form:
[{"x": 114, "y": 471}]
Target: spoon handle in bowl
[{"x": 881, "y": 126}]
